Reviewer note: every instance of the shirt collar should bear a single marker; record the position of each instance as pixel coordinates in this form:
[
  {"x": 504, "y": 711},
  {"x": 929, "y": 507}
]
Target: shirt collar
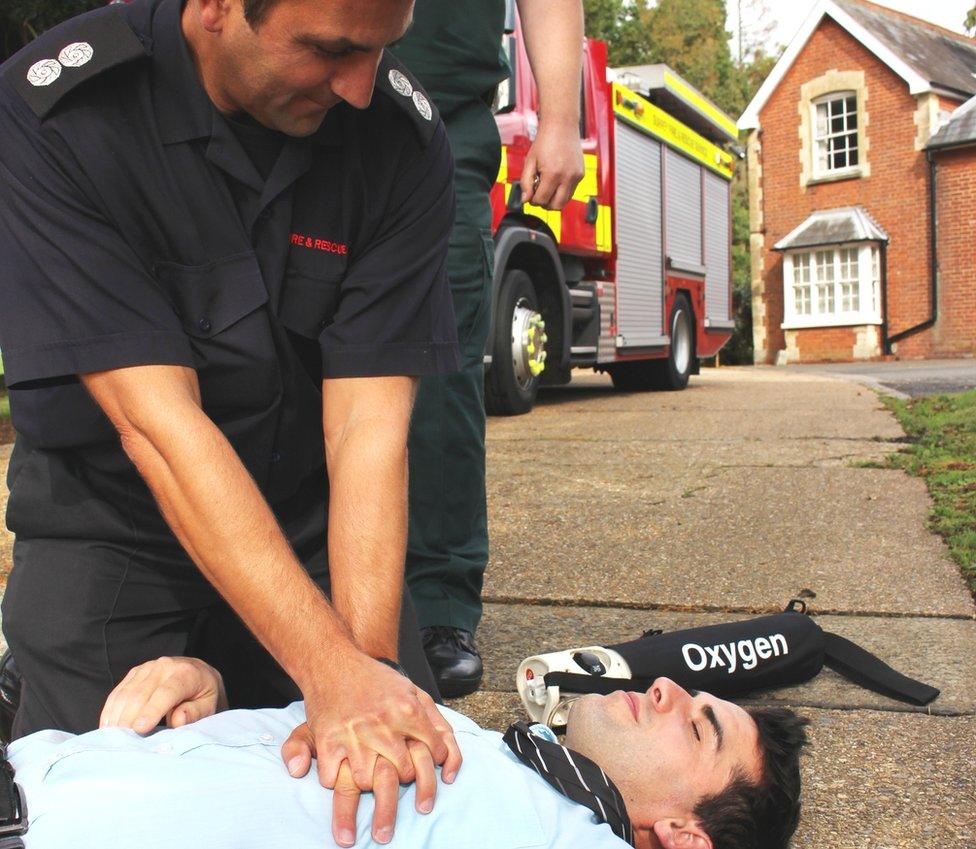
[{"x": 183, "y": 108}]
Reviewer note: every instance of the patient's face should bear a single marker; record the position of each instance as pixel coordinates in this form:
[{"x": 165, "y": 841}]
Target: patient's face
[{"x": 665, "y": 749}]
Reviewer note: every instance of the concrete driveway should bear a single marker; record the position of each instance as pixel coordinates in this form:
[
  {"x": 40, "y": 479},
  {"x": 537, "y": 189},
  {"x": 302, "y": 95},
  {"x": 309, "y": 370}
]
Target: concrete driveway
[
  {"x": 614, "y": 513},
  {"x": 909, "y": 378}
]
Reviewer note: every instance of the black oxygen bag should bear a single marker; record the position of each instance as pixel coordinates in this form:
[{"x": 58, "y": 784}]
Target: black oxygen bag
[{"x": 727, "y": 660}]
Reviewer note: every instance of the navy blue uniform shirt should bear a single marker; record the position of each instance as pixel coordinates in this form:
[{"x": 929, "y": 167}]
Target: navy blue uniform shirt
[{"x": 135, "y": 229}]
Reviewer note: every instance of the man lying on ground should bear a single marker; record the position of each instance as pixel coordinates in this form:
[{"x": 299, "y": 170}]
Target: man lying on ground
[{"x": 692, "y": 771}]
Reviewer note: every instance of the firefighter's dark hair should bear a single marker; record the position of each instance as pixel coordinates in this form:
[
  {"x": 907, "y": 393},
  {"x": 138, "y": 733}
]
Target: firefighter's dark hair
[{"x": 747, "y": 815}]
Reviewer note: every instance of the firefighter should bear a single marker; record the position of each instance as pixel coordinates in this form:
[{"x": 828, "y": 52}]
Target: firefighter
[
  {"x": 454, "y": 49},
  {"x": 222, "y": 234}
]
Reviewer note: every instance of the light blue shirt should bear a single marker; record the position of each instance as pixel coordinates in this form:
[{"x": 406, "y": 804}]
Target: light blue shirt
[{"x": 220, "y": 783}]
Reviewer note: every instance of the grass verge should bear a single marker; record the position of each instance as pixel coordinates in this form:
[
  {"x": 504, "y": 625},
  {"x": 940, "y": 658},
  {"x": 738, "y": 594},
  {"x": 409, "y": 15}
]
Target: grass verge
[{"x": 943, "y": 452}]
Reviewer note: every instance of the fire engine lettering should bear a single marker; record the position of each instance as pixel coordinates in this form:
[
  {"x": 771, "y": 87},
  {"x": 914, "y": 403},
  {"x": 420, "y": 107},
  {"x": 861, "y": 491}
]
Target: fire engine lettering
[{"x": 728, "y": 655}]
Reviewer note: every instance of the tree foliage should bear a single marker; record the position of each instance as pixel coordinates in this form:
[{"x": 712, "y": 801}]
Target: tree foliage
[
  {"x": 970, "y": 23},
  {"x": 23, "y": 20}
]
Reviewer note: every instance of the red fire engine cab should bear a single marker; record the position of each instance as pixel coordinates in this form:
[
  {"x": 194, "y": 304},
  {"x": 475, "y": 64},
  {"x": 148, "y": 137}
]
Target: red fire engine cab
[{"x": 633, "y": 277}]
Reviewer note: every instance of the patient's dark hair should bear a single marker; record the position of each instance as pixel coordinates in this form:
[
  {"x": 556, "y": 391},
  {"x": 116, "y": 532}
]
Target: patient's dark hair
[
  {"x": 255, "y": 10},
  {"x": 746, "y": 815}
]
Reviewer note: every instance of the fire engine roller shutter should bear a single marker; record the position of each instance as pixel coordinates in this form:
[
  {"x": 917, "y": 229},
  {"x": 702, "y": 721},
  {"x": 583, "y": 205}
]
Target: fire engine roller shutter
[
  {"x": 640, "y": 271},
  {"x": 716, "y": 250},
  {"x": 684, "y": 210}
]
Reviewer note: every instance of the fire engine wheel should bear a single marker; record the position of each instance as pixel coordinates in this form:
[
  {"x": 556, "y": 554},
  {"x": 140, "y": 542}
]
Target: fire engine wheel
[
  {"x": 518, "y": 355},
  {"x": 671, "y": 372}
]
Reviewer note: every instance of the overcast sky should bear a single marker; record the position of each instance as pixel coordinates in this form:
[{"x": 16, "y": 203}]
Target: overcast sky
[{"x": 790, "y": 14}]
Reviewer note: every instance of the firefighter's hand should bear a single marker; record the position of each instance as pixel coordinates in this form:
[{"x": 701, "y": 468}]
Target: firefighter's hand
[
  {"x": 553, "y": 166},
  {"x": 385, "y": 732},
  {"x": 386, "y": 786},
  {"x": 181, "y": 689}
]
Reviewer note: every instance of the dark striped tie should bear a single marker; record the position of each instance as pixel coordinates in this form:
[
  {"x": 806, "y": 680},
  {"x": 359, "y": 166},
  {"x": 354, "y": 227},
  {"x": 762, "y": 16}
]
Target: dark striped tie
[{"x": 573, "y": 775}]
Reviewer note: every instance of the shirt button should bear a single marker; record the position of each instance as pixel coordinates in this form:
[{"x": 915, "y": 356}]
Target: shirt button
[
  {"x": 164, "y": 749},
  {"x": 275, "y": 456},
  {"x": 204, "y": 324},
  {"x": 265, "y": 213},
  {"x": 266, "y": 738}
]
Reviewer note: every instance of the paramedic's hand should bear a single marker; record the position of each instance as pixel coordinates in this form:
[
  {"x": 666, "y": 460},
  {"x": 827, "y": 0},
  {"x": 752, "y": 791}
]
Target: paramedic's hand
[
  {"x": 553, "y": 166},
  {"x": 181, "y": 689},
  {"x": 383, "y": 731}
]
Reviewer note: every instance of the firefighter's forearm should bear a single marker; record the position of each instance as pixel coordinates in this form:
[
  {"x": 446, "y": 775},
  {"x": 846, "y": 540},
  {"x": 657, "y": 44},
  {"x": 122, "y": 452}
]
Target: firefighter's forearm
[
  {"x": 365, "y": 422},
  {"x": 553, "y": 32},
  {"x": 367, "y": 537},
  {"x": 219, "y": 516}
]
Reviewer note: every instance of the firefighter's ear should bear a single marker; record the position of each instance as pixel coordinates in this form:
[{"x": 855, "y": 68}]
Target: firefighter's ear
[{"x": 681, "y": 834}]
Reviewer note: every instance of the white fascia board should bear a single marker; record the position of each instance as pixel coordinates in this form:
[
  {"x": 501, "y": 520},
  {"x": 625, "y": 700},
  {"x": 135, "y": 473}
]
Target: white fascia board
[{"x": 916, "y": 83}]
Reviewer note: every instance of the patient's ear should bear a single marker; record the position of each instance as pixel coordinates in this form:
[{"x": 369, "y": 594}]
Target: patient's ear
[{"x": 681, "y": 834}]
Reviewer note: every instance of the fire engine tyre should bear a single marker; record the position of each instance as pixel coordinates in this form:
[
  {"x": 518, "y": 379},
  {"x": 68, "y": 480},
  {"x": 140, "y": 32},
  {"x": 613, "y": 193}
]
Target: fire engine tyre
[
  {"x": 518, "y": 351},
  {"x": 671, "y": 372}
]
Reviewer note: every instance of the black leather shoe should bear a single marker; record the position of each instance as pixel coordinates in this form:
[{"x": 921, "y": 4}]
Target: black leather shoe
[
  {"x": 453, "y": 658},
  {"x": 9, "y": 694}
]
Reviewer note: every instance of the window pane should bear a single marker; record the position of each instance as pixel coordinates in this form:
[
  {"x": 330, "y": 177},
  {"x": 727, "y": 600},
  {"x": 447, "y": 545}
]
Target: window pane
[
  {"x": 850, "y": 300},
  {"x": 836, "y": 133},
  {"x": 825, "y": 282},
  {"x": 801, "y": 284},
  {"x": 875, "y": 279}
]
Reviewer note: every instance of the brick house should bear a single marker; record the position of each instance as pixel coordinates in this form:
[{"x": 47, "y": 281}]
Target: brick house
[{"x": 845, "y": 157}]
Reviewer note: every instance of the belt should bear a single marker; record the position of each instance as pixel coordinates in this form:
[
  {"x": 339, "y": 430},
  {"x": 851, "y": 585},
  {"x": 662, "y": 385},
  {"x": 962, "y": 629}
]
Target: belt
[{"x": 13, "y": 809}]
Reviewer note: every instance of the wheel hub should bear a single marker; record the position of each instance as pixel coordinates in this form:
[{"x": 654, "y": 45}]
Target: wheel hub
[
  {"x": 681, "y": 342},
  {"x": 528, "y": 343}
]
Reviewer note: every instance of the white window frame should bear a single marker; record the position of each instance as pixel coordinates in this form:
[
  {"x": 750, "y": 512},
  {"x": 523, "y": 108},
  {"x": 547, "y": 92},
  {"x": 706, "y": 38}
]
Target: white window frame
[
  {"x": 819, "y": 172},
  {"x": 868, "y": 287}
]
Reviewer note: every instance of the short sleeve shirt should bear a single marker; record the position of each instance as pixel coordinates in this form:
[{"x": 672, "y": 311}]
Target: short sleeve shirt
[{"x": 135, "y": 230}]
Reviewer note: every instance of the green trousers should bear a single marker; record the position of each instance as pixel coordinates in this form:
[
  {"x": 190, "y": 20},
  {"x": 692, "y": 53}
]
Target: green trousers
[{"x": 447, "y": 548}]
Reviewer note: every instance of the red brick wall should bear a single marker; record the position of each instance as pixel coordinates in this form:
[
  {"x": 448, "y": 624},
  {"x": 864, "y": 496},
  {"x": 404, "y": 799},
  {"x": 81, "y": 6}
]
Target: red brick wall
[
  {"x": 955, "y": 332},
  {"x": 820, "y": 344},
  {"x": 895, "y": 193}
]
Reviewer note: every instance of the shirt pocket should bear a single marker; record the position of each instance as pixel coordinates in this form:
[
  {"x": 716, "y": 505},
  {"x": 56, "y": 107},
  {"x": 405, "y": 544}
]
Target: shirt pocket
[
  {"x": 309, "y": 302},
  {"x": 222, "y": 308},
  {"x": 212, "y": 297}
]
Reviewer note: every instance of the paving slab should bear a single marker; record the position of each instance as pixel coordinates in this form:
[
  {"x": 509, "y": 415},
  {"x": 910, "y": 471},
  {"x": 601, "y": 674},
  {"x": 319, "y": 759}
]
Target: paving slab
[
  {"x": 625, "y": 460},
  {"x": 770, "y": 404},
  {"x": 871, "y": 779},
  {"x": 938, "y": 651},
  {"x": 736, "y": 539}
]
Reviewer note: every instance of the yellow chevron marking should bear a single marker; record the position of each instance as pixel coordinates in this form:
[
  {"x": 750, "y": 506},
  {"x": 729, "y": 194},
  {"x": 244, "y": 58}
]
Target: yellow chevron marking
[
  {"x": 709, "y": 110},
  {"x": 646, "y": 117},
  {"x": 604, "y": 229}
]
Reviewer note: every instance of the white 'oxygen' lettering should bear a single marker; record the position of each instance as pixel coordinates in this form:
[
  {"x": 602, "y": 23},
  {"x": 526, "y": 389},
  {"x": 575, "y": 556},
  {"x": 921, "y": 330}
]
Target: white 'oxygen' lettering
[
  {"x": 694, "y": 666},
  {"x": 727, "y": 655}
]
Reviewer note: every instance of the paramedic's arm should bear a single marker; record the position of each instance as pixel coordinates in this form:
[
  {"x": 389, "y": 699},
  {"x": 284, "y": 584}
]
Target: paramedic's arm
[
  {"x": 361, "y": 708},
  {"x": 179, "y": 689},
  {"x": 553, "y": 32}
]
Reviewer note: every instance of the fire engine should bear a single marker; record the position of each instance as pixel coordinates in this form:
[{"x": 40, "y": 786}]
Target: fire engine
[{"x": 633, "y": 277}]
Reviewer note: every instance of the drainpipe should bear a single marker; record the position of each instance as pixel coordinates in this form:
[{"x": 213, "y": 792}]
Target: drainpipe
[{"x": 934, "y": 270}]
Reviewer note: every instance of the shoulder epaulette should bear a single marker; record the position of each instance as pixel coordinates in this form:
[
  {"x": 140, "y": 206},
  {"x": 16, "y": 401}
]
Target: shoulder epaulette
[
  {"x": 395, "y": 81},
  {"x": 64, "y": 57}
]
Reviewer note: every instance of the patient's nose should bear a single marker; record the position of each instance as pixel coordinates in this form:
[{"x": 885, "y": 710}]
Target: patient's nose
[{"x": 665, "y": 695}]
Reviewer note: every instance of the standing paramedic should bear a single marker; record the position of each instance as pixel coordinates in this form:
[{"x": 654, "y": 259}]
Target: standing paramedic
[
  {"x": 454, "y": 48},
  {"x": 223, "y": 229}
]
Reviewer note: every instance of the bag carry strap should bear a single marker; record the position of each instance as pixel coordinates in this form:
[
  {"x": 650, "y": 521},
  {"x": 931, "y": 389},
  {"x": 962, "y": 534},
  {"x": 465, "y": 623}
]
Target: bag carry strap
[
  {"x": 862, "y": 667},
  {"x": 602, "y": 685}
]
